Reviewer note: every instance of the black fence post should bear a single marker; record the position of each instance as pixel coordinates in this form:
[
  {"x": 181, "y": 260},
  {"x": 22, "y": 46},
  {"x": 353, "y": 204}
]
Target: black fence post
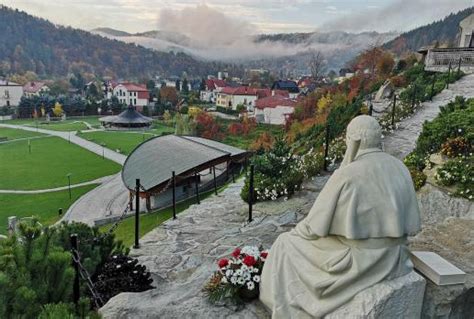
[
  {"x": 174, "y": 194},
  {"x": 215, "y": 182},
  {"x": 449, "y": 75},
  {"x": 459, "y": 66},
  {"x": 371, "y": 105},
  {"x": 393, "y": 110},
  {"x": 197, "y": 187},
  {"x": 233, "y": 175},
  {"x": 251, "y": 192},
  {"x": 413, "y": 99},
  {"x": 326, "y": 148},
  {"x": 137, "y": 214},
  {"x": 433, "y": 87},
  {"x": 76, "y": 294}
]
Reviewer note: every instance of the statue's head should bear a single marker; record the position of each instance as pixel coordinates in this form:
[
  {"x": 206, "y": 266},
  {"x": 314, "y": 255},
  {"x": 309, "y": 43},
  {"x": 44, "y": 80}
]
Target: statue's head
[{"x": 363, "y": 132}]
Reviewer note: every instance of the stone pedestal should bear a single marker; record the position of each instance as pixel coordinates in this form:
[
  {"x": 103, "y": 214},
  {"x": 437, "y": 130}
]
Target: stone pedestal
[{"x": 398, "y": 298}]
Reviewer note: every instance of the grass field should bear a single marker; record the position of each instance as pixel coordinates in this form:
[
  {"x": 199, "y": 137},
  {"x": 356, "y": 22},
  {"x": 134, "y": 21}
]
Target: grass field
[
  {"x": 72, "y": 124},
  {"x": 125, "y": 230},
  {"x": 13, "y": 134},
  {"x": 44, "y": 206},
  {"x": 51, "y": 159},
  {"x": 124, "y": 141}
]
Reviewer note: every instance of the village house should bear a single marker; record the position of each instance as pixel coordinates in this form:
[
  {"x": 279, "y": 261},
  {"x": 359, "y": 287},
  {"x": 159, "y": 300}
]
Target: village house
[
  {"x": 211, "y": 88},
  {"x": 33, "y": 88},
  {"x": 274, "y": 109},
  {"x": 132, "y": 94},
  {"x": 10, "y": 93},
  {"x": 287, "y": 85},
  {"x": 231, "y": 97},
  {"x": 462, "y": 57}
]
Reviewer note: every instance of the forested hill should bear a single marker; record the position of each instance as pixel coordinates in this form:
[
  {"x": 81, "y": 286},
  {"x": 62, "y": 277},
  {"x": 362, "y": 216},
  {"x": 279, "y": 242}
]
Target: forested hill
[
  {"x": 29, "y": 43},
  {"x": 444, "y": 32}
]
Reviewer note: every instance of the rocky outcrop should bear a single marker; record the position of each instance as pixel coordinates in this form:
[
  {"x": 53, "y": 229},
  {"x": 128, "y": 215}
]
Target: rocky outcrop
[
  {"x": 452, "y": 239},
  {"x": 385, "y": 91},
  {"x": 436, "y": 205},
  {"x": 392, "y": 299}
]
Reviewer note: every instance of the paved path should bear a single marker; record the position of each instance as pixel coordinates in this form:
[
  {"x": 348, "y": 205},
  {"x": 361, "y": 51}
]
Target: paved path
[
  {"x": 24, "y": 139},
  {"x": 71, "y": 136},
  {"x": 402, "y": 141},
  {"x": 100, "y": 180}
]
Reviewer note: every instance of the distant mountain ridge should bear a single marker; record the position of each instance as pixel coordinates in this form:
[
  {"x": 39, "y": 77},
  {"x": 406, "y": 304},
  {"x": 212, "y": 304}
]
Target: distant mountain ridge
[
  {"x": 444, "y": 32},
  {"x": 269, "y": 50},
  {"x": 29, "y": 43}
]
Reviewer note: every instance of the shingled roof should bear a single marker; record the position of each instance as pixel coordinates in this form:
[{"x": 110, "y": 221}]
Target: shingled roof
[
  {"x": 154, "y": 160},
  {"x": 129, "y": 116}
]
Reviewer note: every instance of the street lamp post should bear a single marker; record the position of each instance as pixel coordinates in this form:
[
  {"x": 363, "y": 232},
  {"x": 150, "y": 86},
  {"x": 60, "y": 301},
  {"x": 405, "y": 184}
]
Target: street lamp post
[{"x": 69, "y": 184}]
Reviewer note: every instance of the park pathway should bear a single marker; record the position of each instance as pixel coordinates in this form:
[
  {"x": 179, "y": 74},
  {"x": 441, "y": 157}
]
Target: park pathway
[
  {"x": 99, "y": 180},
  {"x": 403, "y": 140}
]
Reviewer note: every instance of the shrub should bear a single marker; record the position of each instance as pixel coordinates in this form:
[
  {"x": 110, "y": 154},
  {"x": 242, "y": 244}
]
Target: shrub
[
  {"x": 455, "y": 120},
  {"x": 415, "y": 161},
  {"x": 278, "y": 172},
  {"x": 454, "y": 147},
  {"x": 458, "y": 172},
  {"x": 121, "y": 273},
  {"x": 419, "y": 178}
]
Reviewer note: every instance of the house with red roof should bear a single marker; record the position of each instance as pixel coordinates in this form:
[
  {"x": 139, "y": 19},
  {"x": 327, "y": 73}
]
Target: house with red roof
[
  {"x": 35, "y": 88},
  {"x": 211, "y": 88},
  {"x": 274, "y": 109},
  {"x": 132, "y": 94}
]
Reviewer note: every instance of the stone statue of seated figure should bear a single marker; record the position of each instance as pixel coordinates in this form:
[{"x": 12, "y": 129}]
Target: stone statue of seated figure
[{"x": 353, "y": 237}]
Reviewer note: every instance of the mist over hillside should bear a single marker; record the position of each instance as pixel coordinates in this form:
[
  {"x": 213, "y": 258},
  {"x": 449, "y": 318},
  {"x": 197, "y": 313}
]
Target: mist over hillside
[{"x": 266, "y": 50}]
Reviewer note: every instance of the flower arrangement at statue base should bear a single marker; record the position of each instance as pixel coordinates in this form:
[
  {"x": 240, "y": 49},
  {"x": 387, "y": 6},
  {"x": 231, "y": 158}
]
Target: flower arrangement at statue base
[{"x": 238, "y": 276}]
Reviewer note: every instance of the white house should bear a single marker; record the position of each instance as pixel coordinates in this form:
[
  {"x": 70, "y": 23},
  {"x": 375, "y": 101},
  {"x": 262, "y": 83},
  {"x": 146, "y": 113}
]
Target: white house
[
  {"x": 467, "y": 31},
  {"x": 132, "y": 94},
  {"x": 10, "y": 93},
  {"x": 35, "y": 88},
  {"x": 274, "y": 109},
  {"x": 211, "y": 88},
  {"x": 231, "y": 97}
]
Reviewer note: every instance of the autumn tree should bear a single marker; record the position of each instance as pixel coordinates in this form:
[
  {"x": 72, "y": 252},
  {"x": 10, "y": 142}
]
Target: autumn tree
[
  {"x": 207, "y": 127},
  {"x": 264, "y": 141},
  {"x": 169, "y": 95}
]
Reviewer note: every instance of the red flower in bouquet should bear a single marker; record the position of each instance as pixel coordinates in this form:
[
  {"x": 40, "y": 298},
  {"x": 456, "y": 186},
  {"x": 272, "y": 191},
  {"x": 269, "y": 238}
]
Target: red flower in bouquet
[
  {"x": 223, "y": 262},
  {"x": 264, "y": 254},
  {"x": 236, "y": 253},
  {"x": 249, "y": 261}
]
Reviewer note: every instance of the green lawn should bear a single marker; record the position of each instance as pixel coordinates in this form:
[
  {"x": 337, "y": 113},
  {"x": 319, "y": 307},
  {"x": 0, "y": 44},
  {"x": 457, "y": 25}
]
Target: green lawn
[
  {"x": 114, "y": 140},
  {"x": 124, "y": 141},
  {"x": 67, "y": 125},
  {"x": 51, "y": 159},
  {"x": 126, "y": 229},
  {"x": 13, "y": 134},
  {"x": 44, "y": 206}
]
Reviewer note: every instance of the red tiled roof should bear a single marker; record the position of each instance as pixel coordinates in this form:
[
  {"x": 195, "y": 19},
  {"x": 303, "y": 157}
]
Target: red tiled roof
[
  {"x": 33, "y": 87},
  {"x": 212, "y": 84},
  {"x": 274, "y": 101},
  {"x": 240, "y": 90},
  {"x": 134, "y": 87}
]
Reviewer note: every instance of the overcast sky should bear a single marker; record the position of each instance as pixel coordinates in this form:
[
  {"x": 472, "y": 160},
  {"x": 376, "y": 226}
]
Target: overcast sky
[{"x": 256, "y": 16}]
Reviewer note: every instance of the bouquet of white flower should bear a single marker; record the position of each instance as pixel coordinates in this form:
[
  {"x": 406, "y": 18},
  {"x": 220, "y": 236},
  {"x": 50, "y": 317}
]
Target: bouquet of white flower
[{"x": 238, "y": 277}]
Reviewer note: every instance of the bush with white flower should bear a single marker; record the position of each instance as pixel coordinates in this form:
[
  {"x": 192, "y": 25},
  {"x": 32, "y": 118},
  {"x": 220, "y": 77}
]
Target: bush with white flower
[{"x": 238, "y": 276}]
